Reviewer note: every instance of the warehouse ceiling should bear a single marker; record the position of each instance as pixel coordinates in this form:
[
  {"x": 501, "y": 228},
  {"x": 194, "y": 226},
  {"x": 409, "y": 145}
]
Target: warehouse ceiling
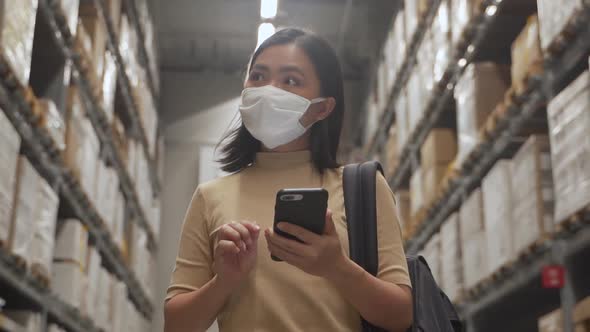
[{"x": 220, "y": 35}]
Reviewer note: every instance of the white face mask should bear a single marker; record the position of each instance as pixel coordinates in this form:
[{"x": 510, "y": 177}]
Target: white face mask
[{"x": 272, "y": 114}]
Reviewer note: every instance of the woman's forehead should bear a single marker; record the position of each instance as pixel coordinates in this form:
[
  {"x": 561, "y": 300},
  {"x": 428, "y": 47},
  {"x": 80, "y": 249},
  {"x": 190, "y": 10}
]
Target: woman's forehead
[{"x": 289, "y": 55}]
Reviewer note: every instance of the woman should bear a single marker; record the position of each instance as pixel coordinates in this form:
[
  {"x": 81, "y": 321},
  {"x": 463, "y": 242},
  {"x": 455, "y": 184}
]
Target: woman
[{"x": 292, "y": 109}]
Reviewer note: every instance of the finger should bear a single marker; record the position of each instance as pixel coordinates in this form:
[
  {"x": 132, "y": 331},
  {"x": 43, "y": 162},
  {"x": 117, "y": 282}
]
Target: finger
[
  {"x": 243, "y": 231},
  {"x": 284, "y": 255},
  {"x": 289, "y": 245},
  {"x": 254, "y": 231},
  {"x": 299, "y": 232},
  {"x": 225, "y": 247},
  {"x": 329, "y": 227},
  {"x": 226, "y": 232}
]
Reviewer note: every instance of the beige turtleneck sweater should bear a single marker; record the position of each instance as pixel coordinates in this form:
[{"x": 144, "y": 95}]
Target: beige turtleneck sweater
[{"x": 278, "y": 296}]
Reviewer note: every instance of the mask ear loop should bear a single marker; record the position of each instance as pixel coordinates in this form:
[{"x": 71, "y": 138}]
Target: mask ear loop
[{"x": 311, "y": 102}]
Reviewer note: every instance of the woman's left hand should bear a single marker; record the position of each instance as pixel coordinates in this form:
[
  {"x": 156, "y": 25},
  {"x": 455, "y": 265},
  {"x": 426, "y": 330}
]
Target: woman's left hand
[{"x": 317, "y": 255}]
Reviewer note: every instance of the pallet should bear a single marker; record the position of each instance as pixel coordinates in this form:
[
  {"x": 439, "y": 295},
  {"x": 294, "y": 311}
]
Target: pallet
[
  {"x": 581, "y": 217},
  {"x": 489, "y": 280},
  {"x": 534, "y": 247},
  {"x": 561, "y": 41}
]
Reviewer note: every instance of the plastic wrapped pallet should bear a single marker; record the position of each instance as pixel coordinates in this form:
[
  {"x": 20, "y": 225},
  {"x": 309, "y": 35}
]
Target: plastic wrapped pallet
[
  {"x": 29, "y": 321},
  {"x": 161, "y": 157},
  {"x": 109, "y": 85},
  {"x": 473, "y": 239},
  {"x": 432, "y": 254},
  {"x": 23, "y": 224},
  {"x": 44, "y": 228},
  {"x": 71, "y": 242},
  {"x": 402, "y": 198},
  {"x": 498, "y": 202},
  {"x": 439, "y": 148},
  {"x": 93, "y": 267},
  {"x": 414, "y": 11},
  {"x": 106, "y": 189},
  {"x": 463, "y": 11},
  {"x": 416, "y": 192},
  {"x": 432, "y": 178},
  {"x": 532, "y": 190},
  {"x": 441, "y": 39},
  {"x": 451, "y": 258},
  {"x": 481, "y": 88},
  {"x": 527, "y": 56},
  {"x": 9, "y": 148},
  {"x": 415, "y": 101},
  {"x": 119, "y": 221},
  {"x": 116, "y": 308},
  {"x": 96, "y": 29},
  {"x": 66, "y": 282},
  {"x": 52, "y": 121},
  {"x": 426, "y": 57},
  {"x": 17, "y": 24},
  {"x": 553, "y": 18},
  {"x": 103, "y": 296},
  {"x": 390, "y": 153},
  {"x": 70, "y": 10},
  {"x": 569, "y": 124},
  {"x": 402, "y": 120}
]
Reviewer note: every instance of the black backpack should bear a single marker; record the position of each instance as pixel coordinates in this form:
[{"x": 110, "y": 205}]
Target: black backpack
[{"x": 433, "y": 311}]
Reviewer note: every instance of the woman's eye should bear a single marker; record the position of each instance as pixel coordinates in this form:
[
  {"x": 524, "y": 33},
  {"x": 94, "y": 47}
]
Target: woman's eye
[
  {"x": 256, "y": 77},
  {"x": 291, "y": 81}
]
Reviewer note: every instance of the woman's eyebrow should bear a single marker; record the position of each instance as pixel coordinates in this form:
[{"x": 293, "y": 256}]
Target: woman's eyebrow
[
  {"x": 261, "y": 67},
  {"x": 291, "y": 68}
]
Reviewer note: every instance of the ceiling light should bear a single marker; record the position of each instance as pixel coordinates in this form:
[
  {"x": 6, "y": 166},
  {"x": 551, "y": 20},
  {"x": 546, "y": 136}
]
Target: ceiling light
[
  {"x": 491, "y": 10},
  {"x": 462, "y": 62},
  {"x": 268, "y": 8},
  {"x": 265, "y": 30}
]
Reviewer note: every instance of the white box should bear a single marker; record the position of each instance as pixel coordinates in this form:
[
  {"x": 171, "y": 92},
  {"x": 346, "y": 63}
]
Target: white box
[
  {"x": 497, "y": 199},
  {"x": 93, "y": 269},
  {"x": 17, "y": 27},
  {"x": 473, "y": 239},
  {"x": 45, "y": 220},
  {"x": 553, "y": 18},
  {"x": 23, "y": 225},
  {"x": 402, "y": 120},
  {"x": 463, "y": 12},
  {"x": 451, "y": 258},
  {"x": 416, "y": 192},
  {"x": 71, "y": 242},
  {"x": 70, "y": 10},
  {"x": 9, "y": 148},
  {"x": 66, "y": 283},
  {"x": 109, "y": 85},
  {"x": 416, "y": 100},
  {"x": 53, "y": 122},
  {"x": 117, "y": 307}
]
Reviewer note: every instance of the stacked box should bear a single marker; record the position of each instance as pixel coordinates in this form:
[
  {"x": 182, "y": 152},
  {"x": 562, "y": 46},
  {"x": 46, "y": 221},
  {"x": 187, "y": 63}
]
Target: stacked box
[
  {"x": 395, "y": 48},
  {"x": 383, "y": 89},
  {"x": 161, "y": 158},
  {"x": 71, "y": 243},
  {"x": 391, "y": 152},
  {"x": 128, "y": 50},
  {"x": 425, "y": 65},
  {"x": 70, "y": 10},
  {"x": 402, "y": 198},
  {"x": 17, "y": 25},
  {"x": 414, "y": 11},
  {"x": 498, "y": 202},
  {"x": 441, "y": 39},
  {"x": 25, "y": 209},
  {"x": 117, "y": 304},
  {"x": 553, "y": 18},
  {"x": 569, "y": 124},
  {"x": 109, "y": 85},
  {"x": 67, "y": 283},
  {"x": 93, "y": 267},
  {"x": 44, "y": 228},
  {"x": 52, "y": 120},
  {"x": 526, "y": 53},
  {"x": 120, "y": 139},
  {"x": 106, "y": 189},
  {"x": 402, "y": 120},
  {"x": 451, "y": 258},
  {"x": 83, "y": 41},
  {"x": 103, "y": 295},
  {"x": 463, "y": 12},
  {"x": 432, "y": 254},
  {"x": 416, "y": 193},
  {"x": 415, "y": 102},
  {"x": 149, "y": 115},
  {"x": 532, "y": 191},
  {"x": 477, "y": 93},
  {"x": 437, "y": 152},
  {"x": 114, "y": 12},
  {"x": 119, "y": 221},
  {"x": 96, "y": 29},
  {"x": 9, "y": 148},
  {"x": 27, "y": 320},
  {"x": 473, "y": 239}
]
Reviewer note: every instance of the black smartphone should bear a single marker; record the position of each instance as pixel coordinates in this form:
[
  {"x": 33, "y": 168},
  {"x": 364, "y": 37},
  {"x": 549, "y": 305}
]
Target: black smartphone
[{"x": 303, "y": 207}]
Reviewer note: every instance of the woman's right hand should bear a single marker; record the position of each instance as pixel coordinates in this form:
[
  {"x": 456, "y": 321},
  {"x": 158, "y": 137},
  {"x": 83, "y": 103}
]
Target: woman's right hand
[{"x": 235, "y": 252}]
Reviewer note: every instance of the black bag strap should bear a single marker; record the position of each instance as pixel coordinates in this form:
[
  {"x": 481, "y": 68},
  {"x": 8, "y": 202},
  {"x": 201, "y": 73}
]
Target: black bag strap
[{"x": 359, "y": 185}]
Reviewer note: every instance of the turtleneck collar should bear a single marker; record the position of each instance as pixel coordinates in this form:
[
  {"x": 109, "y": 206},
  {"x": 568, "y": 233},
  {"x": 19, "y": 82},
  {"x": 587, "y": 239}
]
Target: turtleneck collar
[{"x": 281, "y": 160}]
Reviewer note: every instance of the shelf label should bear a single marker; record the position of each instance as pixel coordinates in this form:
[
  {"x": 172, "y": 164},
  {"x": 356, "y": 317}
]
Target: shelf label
[{"x": 553, "y": 276}]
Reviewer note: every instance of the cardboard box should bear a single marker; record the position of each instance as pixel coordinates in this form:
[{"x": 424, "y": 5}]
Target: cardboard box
[
  {"x": 425, "y": 68},
  {"x": 9, "y": 147},
  {"x": 103, "y": 300},
  {"x": 532, "y": 189},
  {"x": 416, "y": 101},
  {"x": 17, "y": 25},
  {"x": 116, "y": 308},
  {"x": 553, "y": 18},
  {"x": 96, "y": 29},
  {"x": 439, "y": 148},
  {"x": 414, "y": 11},
  {"x": 66, "y": 282},
  {"x": 432, "y": 254},
  {"x": 463, "y": 12},
  {"x": 477, "y": 93},
  {"x": 24, "y": 213},
  {"x": 71, "y": 243},
  {"x": 28, "y": 321},
  {"x": 432, "y": 180},
  {"x": 416, "y": 192},
  {"x": 114, "y": 12},
  {"x": 451, "y": 258},
  {"x": 402, "y": 120},
  {"x": 119, "y": 221},
  {"x": 70, "y": 10},
  {"x": 161, "y": 159},
  {"x": 441, "y": 39},
  {"x": 53, "y": 122},
  {"x": 569, "y": 124},
  {"x": 390, "y": 153},
  {"x": 527, "y": 56},
  {"x": 109, "y": 85},
  {"x": 93, "y": 267},
  {"x": 44, "y": 228},
  {"x": 473, "y": 239},
  {"x": 498, "y": 202},
  {"x": 83, "y": 41}
]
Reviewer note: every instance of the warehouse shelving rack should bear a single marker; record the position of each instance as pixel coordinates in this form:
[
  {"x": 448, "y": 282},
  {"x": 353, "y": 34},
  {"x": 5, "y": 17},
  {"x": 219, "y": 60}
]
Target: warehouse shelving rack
[
  {"x": 491, "y": 307},
  {"x": 41, "y": 151},
  {"x": 97, "y": 115}
]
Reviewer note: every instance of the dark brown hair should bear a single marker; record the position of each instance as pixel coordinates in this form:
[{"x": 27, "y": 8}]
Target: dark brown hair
[{"x": 239, "y": 147}]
